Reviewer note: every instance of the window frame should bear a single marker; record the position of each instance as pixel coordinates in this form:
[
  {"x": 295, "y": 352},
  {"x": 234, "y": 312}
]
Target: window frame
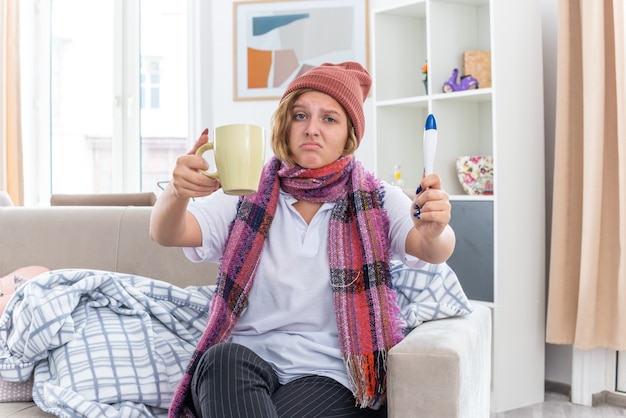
[{"x": 126, "y": 100}]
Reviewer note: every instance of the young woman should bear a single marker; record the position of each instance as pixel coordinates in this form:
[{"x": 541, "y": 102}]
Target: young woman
[{"x": 304, "y": 312}]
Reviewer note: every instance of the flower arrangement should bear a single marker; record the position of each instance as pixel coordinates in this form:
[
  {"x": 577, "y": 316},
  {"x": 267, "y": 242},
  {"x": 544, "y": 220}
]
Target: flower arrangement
[{"x": 425, "y": 71}]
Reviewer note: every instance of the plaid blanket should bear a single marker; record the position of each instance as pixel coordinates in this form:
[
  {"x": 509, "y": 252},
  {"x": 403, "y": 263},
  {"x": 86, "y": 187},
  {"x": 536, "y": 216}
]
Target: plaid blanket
[
  {"x": 116, "y": 345},
  {"x": 428, "y": 293},
  {"x": 99, "y": 343}
]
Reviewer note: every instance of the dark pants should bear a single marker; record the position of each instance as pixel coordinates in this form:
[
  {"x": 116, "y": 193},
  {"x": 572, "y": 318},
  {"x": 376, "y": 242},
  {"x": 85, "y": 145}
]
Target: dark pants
[{"x": 232, "y": 381}]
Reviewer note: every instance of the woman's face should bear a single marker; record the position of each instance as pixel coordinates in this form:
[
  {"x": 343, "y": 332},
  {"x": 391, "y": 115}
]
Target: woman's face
[{"x": 319, "y": 130}]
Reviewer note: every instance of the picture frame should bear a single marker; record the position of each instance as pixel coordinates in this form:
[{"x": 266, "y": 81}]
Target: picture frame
[{"x": 276, "y": 40}]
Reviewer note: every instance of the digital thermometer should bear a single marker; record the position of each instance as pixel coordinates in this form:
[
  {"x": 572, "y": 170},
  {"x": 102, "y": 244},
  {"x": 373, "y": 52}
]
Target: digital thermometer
[{"x": 430, "y": 144}]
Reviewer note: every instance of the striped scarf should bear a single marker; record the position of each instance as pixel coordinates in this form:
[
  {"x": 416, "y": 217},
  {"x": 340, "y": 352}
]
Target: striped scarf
[{"x": 365, "y": 303}]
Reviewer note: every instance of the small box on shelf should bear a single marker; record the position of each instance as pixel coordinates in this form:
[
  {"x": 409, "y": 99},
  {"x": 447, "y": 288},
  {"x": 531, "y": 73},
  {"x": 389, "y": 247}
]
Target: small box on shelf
[{"x": 478, "y": 65}]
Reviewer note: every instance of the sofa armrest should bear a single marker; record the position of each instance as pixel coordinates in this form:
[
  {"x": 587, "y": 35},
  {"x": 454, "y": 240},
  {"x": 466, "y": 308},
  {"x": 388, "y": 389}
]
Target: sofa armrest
[{"x": 442, "y": 369}]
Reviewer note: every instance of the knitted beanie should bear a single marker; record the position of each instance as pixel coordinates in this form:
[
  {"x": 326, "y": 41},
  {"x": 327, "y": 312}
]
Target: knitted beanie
[{"x": 348, "y": 83}]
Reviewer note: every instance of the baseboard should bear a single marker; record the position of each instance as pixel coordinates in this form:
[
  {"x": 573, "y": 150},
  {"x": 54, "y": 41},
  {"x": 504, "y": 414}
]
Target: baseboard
[
  {"x": 610, "y": 398},
  {"x": 558, "y": 387},
  {"x": 606, "y": 397}
]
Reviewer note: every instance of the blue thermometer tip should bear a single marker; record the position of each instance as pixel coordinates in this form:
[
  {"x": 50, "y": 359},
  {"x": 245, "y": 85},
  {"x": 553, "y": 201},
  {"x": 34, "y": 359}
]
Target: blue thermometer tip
[{"x": 431, "y": 123}]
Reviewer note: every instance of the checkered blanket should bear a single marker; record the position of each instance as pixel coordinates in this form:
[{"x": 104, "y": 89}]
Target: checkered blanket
[
  {"x": 99, "y": 343},
  {"x": 116, "y": 345},
  {"x": 428, "y": 293}
]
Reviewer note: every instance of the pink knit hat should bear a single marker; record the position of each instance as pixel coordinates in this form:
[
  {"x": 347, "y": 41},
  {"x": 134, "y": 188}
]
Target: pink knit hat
[{"x": 348, "y": 83}]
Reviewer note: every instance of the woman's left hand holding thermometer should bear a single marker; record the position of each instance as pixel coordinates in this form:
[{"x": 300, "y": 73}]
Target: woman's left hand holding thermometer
[{"x": 431, "y": 205}]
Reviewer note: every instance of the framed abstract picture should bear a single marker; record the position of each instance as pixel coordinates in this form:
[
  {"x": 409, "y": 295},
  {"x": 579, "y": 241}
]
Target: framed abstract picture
[{"x": 275, "y": 41}]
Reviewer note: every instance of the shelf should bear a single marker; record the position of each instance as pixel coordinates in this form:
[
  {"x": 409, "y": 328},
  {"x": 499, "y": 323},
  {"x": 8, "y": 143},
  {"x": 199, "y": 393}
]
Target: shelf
[
  {"x": 467, "y": 197},
  {"x": 394, "y": 29},
  {"x": 476, "y": 95},
  {"x": 497, "y": 259},
  {"x": 415, "y": 101},
  {"x": 411, "y": 8},
  {"x": 457, "y": 197},
  {"x": 467, "y": 2}
]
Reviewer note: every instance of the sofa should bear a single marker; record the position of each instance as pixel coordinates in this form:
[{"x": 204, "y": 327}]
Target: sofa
[{"x": 441, "y": 369}]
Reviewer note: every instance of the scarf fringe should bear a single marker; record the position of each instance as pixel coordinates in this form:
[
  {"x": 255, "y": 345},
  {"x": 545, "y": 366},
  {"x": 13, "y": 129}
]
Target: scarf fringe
[{"x": 367, "y": 375}]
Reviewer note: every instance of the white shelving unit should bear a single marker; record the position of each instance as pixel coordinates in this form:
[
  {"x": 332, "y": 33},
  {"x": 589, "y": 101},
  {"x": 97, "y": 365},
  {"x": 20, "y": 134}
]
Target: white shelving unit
[{"x": 500, "y": 252}]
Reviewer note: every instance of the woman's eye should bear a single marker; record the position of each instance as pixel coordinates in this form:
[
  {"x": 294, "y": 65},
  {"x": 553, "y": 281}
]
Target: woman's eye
[
  {"x": 329, "y": 119},
  {"x": 299, "y": 116}
]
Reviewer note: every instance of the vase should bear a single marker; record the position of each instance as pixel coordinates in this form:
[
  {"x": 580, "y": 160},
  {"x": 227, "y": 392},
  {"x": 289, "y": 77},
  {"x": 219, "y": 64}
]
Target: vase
[{"x": 426, "y": 86}]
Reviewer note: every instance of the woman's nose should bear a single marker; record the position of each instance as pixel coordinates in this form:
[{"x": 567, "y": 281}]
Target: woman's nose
[{"x": 312, "y": 127}]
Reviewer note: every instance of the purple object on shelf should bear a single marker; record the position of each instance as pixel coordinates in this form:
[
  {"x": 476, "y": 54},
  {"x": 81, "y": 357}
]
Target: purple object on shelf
[{"x": 467, "y": 82}]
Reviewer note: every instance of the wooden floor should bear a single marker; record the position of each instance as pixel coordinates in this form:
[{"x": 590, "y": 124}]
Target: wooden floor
[{"x": 558, "y": 406}]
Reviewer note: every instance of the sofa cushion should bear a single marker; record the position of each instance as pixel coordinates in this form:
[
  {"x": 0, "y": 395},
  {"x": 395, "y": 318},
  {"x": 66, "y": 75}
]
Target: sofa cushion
[
  {"x": 22, "y": 410},
  {"x": 109, "y": 238},
  {"x": 12, "y": 281},
  {"x": 58, "y": 238},
  {"x": 430, "y": 292},
  {"x": 16, "y": 391}
]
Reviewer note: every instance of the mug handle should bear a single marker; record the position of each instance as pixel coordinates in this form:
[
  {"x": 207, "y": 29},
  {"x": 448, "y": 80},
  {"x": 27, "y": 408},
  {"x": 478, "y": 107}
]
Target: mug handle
[{"x": 204, "y": 148}]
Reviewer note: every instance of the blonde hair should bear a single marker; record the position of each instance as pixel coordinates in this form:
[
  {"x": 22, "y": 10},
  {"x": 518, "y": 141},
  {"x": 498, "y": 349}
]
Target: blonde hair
[{"x": 281, "y": 125}]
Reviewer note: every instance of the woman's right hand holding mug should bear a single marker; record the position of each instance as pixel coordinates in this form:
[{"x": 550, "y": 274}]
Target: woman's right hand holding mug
[{"x": 187, "y": 181}]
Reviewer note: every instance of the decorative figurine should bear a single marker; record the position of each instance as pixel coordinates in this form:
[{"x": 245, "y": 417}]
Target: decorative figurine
[{"x": 467, "y": 82}]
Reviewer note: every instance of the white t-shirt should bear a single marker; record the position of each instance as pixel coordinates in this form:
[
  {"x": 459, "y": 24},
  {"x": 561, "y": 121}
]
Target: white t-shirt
[{"x": 290, "y": 319}]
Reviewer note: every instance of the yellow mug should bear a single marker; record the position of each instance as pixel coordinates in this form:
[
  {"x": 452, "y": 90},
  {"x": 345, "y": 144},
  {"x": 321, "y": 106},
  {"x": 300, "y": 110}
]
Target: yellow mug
[{"x": 239, "y": 154}]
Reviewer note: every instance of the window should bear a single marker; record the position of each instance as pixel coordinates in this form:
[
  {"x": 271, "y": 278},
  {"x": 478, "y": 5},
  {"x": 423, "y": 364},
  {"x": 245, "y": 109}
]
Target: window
[
  {"x": 118, "y": 93},
  {"x": 150, "y": 80}
]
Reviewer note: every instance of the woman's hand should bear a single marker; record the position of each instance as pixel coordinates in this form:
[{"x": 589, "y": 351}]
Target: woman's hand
[
  {"x": 170, "y": 223},
  {"x": 432, "y": 239},
  {"x": 187, "y": 181},
  {"x": 431, "y": 207}
]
